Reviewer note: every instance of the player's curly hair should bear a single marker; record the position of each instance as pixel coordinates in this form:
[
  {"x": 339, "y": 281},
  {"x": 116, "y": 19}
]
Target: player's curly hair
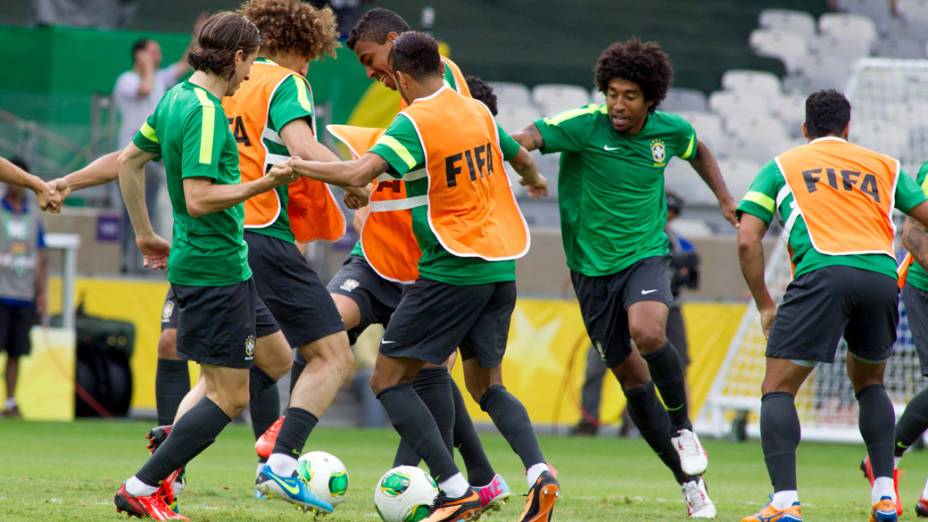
[
  {"x": 482, "y": 91},
  {"x": 293, "y": 26},
  {"x": 644, "y": 63},
  {"x": 827, "y": 113}
]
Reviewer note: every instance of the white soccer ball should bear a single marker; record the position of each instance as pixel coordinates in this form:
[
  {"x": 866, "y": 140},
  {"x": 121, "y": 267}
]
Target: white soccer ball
[
  {"x": 325, "y": 474},
  {"x": 404, "y": 494}
]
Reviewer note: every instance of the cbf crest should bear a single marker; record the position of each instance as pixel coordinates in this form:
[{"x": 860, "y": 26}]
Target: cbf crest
[
  {"x": 658, "y": 153},
  {"x": 249, "y": 347}
]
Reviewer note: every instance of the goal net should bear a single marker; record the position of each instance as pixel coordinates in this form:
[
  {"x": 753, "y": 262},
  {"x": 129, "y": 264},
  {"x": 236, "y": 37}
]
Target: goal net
[{"x": 889, "y": 99}]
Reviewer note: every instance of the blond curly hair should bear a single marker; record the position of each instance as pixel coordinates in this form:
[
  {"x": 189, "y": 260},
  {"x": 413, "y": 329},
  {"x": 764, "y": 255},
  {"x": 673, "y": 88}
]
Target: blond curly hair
[{"x": 291, "y": 26}]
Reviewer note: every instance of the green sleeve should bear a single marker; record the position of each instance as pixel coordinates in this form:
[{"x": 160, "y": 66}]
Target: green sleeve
[
  {"x": 146, "y": 138},
  {"x": 204, "y": 133},
  {"x": 568, "y": 131},
  {"x": 509, "y": 146},
  {"x": 908, "y": 193},
  {"x": 760, "y": 200},
  {"x": 921, "y": 176},
  {"x": 400, "y": 147},
  {"x": 292, "y": 100},
  {"x": 685, "y": 139}
]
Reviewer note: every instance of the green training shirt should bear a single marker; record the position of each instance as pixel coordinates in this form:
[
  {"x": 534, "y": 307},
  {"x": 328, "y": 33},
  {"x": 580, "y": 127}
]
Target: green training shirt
[
  {"x": 917, "y": 276},
  {"x": 760, "y": 202},
  {"x": 189, "y": 130},
  {"x": 401, "y": 149},
  {"x": 450, "y": 82},
  {"x": 611, "y": 185},
  {"x": 291, "y": 100}
]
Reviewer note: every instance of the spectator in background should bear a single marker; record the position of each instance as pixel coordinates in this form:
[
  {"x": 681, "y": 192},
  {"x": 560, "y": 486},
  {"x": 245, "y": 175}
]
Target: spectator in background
[
  {"x": 22, "y": 280},
  {"x": 136, "y": 95},
  {"x": 684, "y": 262},
  {"x": 347, "y": 12}
]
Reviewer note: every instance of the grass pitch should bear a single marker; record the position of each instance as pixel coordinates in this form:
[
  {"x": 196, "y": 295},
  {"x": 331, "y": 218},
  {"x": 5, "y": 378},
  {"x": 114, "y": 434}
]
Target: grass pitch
[{"x": 69, "y": 471}]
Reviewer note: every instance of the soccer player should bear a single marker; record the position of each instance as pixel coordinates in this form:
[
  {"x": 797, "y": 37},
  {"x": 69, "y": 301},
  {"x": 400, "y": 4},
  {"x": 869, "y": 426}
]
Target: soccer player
[
  {"x": 835, "y": 201},
  {"x": 613, "y": 216},
  {"x": 469, "y": 230},
  {"x": 913, "y": 279},
  {"x": 208, "y": 261},
  {"x": 376, "y": 298}
]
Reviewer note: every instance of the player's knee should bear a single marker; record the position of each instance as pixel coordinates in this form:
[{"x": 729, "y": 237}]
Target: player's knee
[
  {"x": 380, "y": 382},
  {"x": 649, "y": 338},
  {"x": 477, "y": 390},
  {"x": 167, "y": 344},
  {"x": 235, "y": 401}
]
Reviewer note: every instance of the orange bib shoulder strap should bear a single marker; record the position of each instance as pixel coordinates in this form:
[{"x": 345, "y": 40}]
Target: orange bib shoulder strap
[
  {"x": 845, "y": 194},
  {"x": 471, "y": 207}
]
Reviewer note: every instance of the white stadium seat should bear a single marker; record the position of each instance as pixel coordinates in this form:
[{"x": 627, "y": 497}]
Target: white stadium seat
[
  {"x": 739, "y": 173},
  {"x": 511, "y": 93},
  {"x": 848, "y": 27},
  {"x": 757, "y": 82},
  {"x": 683, "y": 99},
  {"x": 788, "y": 20},
  {"x": 515, "y": 117},
  {"x": 843, "y": 49},
  {"x": 728, "y": 103},
  {"x": 915, "y": 12},
  {"x": 825, "y": 72},
  {"x": 788, "y": 46},
  {"x": 554, "y": 97}
]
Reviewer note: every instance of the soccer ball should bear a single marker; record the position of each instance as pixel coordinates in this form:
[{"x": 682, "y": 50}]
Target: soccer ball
[
  {"x": 325, "y": 474},
  {"x": 404, "y": 494}
]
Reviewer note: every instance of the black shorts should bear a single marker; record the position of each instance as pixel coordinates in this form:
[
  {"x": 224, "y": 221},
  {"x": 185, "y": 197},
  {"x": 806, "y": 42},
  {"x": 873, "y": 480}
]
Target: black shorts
[
  {"x": 916, "y": 308},
  {"x": 217, "y": 324},
  {"x": 376, "y": 297},
  {"x": 15, "y": 324},
  {"x": 265, "y": 324},
  {"x": 604, "y": 302},
  {"x": 291, "y": 290},
  {"x": 433, "y": 319},
  {"x": 821, "y": 306}
]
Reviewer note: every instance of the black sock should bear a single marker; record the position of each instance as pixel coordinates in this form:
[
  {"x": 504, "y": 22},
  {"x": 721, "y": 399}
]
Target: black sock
[
  {"x": 434, "y": 387},
  {"x": 479, "y": 470},
  {"x": 779, "y": 436},
  {"x": 875, "y": 419},
  {"x": 296, "y": 370},
  {"x": 667, "y": 373},
  {"x": 415, "y": 424},
  {"x": 192, "y": 434},
  {"x": 653, "y": 423},
  {"x": 512, "y": 421},
  {"x": 298, "y": 424},
  {"x": 264, "y": 401},
  {"x": 913, "y": 422},
  {"x": 172, "y": 382}
]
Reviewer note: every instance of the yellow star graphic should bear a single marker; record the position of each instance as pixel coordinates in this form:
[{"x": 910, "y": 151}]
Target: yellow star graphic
[{"x": 529, "y": 350}]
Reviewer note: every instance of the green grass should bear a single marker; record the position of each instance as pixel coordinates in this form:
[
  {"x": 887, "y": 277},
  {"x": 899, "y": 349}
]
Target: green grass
[{"x": 53, "y": 471}]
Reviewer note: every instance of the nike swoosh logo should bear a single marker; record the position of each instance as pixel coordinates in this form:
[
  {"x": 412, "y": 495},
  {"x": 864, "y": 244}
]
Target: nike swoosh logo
[
  {"x": 387, "y": 342},
  {"x": 293, "y": 490},
  {"x": 646, "y": 292},
  {"x": 607, "y": 148}
]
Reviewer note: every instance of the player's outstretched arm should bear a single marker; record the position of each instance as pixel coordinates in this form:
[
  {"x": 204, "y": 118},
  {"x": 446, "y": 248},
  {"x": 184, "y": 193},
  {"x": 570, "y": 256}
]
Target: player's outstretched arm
[
  {"x": 131, "y": 168},
  {"x": 356, "y": 173},
  {"x": 529, "y": 137},
  {"x": 98, "y": 172},
  {"x": 751, "y": 256},
  {"x": 707, "y": 167},
  {"x": 205, "y": 197},
  {"x": 531, "y": 179},
  {"x": 300, "y": 141},
  {"x": 13, "y": 175}
]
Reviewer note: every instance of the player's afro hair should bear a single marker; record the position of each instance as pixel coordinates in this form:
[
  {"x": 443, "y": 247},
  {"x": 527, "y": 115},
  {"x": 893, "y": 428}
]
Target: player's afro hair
[
  {"x": 481, "y": 91},
  {"x": 827, "y": 113},
  {"x": 293, "y": 26},
  {"x": 375, "y": 25},
  {"x": 644, "y": 63}
]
